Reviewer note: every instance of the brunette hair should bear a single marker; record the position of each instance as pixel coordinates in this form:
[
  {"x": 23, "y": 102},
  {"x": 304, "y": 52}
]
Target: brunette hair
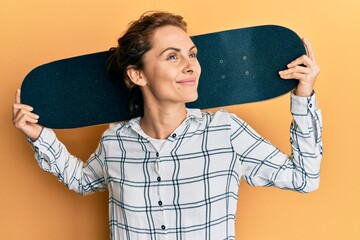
[{"x": 135, "y": 42}]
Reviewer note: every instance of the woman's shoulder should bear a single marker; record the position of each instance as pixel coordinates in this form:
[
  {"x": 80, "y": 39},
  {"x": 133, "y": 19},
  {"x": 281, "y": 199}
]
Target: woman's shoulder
[
  {"x": 219, "y": 113},
  {"x": 119, "y": 128},
  {"x": 222, "y": 117},
  {"x": 219, "y": 116}
]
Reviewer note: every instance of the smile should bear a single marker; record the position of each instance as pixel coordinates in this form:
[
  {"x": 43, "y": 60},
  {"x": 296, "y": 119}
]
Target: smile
[{"x": 189, "y": 81}]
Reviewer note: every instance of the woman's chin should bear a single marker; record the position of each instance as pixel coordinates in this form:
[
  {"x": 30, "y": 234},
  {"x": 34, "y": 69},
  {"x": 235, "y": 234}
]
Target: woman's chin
[{"x": 192, "y": 98}]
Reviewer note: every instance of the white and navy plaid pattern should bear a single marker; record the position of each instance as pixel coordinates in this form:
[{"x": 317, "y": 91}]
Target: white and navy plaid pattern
[{"x": 188, "y": 189}]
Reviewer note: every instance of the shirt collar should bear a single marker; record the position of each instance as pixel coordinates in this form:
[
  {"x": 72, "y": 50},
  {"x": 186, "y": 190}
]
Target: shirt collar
[{"x": 192, "y": 114}]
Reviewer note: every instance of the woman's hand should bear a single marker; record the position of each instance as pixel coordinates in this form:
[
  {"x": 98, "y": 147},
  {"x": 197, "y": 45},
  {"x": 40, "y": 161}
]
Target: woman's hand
[
  {"x": 25, "y": 120},
  {"x": 303, "y": 69}
]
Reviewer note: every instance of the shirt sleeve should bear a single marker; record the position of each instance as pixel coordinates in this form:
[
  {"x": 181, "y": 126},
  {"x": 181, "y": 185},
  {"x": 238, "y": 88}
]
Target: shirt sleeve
[
  {"x": 265, "y": 165},
  {"x": 53, "y": 157}
]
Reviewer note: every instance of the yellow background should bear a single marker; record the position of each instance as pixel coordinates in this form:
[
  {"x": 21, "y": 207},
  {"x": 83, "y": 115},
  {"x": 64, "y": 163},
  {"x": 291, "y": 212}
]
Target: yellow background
[{"x": 34, "y": 205}]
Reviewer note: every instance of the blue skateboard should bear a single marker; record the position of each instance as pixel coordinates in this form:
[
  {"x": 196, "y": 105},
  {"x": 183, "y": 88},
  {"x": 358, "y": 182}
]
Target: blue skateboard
[{"x": 238, "y": 66}]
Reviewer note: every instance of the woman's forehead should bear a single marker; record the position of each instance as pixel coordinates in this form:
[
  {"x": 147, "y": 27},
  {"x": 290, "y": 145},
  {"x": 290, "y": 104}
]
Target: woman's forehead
[{"x": 171, "y": 36}]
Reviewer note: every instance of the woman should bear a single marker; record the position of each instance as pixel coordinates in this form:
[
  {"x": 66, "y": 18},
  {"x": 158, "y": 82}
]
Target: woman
[{"x": 174, "y": 173}]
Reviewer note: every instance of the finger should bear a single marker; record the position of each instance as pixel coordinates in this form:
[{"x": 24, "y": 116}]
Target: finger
[
  {"x": 18, "y": 106},
  {"x": 294, "y": 75},
  {"x": 32, "y": 120},
  {"x": 303, "y": 60},
  {"x": 24, "y": 121},
  {"x": 17, "y": 96},
  {"x": 309, "y": 49},
  {"x": 23, "y": 112},
  {"x": 28, "y": 119},
  {"x": 297, "y": 68}
]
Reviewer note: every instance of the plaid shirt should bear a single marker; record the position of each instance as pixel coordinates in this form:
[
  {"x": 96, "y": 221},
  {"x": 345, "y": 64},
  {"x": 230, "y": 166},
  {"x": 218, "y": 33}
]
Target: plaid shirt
[{"x": 188, "y": 189}]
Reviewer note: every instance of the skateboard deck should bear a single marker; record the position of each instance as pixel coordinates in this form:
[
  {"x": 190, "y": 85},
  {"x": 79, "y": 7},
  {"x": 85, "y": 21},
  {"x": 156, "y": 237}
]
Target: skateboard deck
[{"x": 238, "y": 66}]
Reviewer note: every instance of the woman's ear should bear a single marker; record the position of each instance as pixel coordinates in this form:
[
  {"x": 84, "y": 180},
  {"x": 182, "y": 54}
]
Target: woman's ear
[{"x": 135, "y": 75}]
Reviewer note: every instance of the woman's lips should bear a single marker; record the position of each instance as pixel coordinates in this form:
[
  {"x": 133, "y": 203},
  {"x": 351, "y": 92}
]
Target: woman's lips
[{"x": 189, "y": 81}]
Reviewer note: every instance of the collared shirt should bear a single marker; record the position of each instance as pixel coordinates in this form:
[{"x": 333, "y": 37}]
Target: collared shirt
[{"x": 188, "y": 187}]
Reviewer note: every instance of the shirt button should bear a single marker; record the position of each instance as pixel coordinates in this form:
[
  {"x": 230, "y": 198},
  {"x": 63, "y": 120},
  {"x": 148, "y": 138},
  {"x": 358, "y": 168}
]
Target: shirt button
[
  {"x": 310, "y": 105},
  {"x": 163, "y": 227},
  {"x": 157, "y": 154},
  {"x": 160, "y": 203},
  {"x": 174, "y": 135},
  {"x": 158, "y": 179}
]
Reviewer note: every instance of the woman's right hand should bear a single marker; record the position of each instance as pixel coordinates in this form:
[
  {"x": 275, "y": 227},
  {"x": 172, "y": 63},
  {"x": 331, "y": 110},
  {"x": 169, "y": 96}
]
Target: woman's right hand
[{"x": 25, "y": 120}]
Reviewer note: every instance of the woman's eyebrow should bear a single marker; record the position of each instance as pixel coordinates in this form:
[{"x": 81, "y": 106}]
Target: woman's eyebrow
[
  {"x": 175, "y": 49},
  {"x": 193, "y": 47},
  {"x": 170, "y": 48}
]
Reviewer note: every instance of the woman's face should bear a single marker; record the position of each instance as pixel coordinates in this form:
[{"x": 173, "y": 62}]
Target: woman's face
[{"x": 171, "y": 69}]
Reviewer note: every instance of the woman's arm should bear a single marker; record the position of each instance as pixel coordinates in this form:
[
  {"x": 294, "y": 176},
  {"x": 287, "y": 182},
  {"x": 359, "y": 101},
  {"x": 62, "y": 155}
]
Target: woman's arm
[
  {"x": 53, "y": 156},
  {"x": 264, "y": 164}
]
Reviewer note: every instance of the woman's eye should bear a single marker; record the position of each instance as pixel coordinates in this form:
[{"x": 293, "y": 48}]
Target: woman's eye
[
  {"x": 193, "y": 55},
  {"x": 172, "y": 57}
]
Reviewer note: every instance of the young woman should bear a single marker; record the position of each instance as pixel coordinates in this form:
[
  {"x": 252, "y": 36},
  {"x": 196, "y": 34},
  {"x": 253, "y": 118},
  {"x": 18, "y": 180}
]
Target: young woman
[{"x": 174, "y": 173}]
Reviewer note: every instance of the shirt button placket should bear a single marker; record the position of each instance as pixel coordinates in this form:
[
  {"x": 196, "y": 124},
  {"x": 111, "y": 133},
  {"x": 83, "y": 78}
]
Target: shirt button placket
[
  {"x": 157, "y": 163},
  {"x": 160, "y": 203}
]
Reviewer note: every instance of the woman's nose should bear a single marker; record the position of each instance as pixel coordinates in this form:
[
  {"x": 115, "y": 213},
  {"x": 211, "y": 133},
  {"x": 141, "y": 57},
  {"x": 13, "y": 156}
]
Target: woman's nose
[{"x": 189, "y": 65}]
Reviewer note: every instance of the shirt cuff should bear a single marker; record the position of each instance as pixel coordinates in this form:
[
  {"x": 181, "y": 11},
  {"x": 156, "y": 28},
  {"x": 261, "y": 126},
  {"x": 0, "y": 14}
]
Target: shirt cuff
[
  {"x": 46, "y": 136},
  {"x": 303, "y": 105}
]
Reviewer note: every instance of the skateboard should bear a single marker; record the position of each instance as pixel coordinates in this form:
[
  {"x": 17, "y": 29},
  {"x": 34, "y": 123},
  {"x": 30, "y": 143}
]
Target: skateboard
[{"x": 238, "y": 66}]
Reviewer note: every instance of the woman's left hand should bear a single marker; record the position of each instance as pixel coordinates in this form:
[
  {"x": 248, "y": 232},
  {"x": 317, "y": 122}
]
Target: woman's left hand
[{"x": 303, "y": 69}]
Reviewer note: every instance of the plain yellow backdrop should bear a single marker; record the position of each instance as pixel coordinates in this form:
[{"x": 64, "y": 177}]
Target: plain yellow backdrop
[{"x": 34, "y": 205}]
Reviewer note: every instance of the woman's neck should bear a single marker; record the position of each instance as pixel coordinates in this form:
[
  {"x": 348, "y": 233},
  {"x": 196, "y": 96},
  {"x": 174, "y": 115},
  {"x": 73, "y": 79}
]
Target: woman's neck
[{"x": 160, "y": 122}]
